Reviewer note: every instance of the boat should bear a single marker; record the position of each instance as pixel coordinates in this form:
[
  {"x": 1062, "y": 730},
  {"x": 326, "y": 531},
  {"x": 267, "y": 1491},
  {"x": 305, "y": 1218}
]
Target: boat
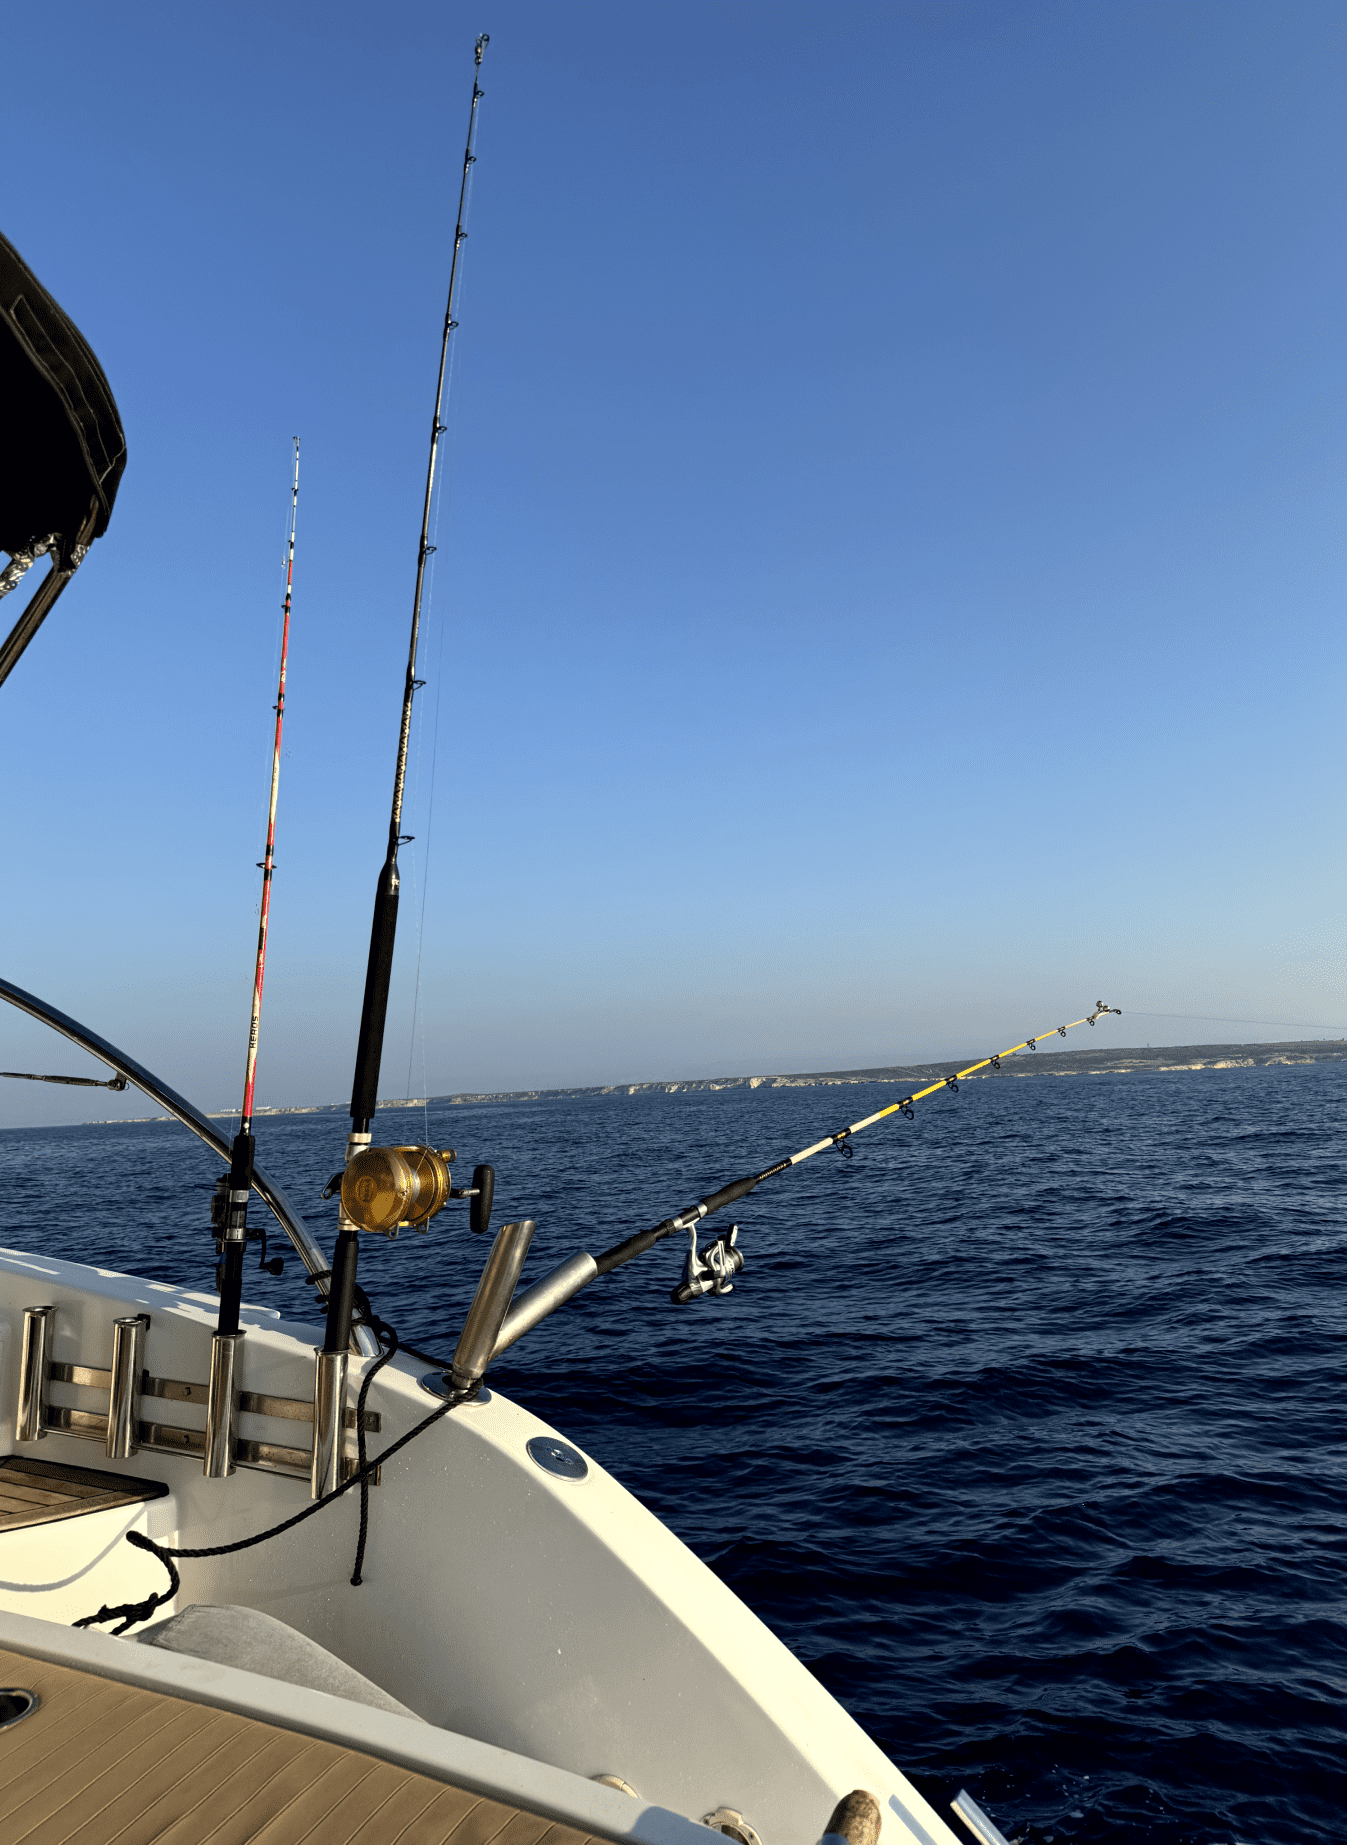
[{"x": 530, "y": 1655}]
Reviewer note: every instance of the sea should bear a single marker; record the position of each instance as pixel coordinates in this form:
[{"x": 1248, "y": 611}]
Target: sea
[{"x": 1025, "y": 1427}]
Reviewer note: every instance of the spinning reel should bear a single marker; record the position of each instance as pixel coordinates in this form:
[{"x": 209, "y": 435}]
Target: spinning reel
[{"x": 709, "y": 1271}]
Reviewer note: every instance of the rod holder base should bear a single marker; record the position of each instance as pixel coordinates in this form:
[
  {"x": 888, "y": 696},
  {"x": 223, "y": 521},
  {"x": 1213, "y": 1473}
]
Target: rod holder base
[
  {"x": 38, "y": 1325},
  {"x": 490, "y": 1304},
  {"x": 329, "y": 1420},
  {"x": 128, "y": 1366},
  {"x": 222, "y": 1406},
  {"x": 441, "y": 1384}
]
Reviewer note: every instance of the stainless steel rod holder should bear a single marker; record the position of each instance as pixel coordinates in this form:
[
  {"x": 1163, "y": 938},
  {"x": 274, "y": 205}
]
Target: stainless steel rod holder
[
  {"x": 545, "y": 1297},
  {"x": 329, "y": 1420},
  {"x": 128, "y": 1365},
  {"x": 38, "y": 1326},
  {"x": 477, "y": 1341},
  {"x": 222, "y": 1406}
]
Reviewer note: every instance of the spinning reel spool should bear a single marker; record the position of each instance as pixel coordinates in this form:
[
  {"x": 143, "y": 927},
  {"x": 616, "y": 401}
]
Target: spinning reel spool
[{"x": 708, "y": 1271}]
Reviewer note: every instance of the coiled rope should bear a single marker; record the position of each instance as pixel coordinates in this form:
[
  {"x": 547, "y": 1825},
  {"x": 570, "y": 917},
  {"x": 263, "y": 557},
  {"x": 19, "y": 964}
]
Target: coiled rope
[{"x": 130, "y": 1613}]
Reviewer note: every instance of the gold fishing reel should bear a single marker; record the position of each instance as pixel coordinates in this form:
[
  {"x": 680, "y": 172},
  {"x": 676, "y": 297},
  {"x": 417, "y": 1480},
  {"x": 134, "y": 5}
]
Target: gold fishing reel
[{"x": 387, "y": 1189}]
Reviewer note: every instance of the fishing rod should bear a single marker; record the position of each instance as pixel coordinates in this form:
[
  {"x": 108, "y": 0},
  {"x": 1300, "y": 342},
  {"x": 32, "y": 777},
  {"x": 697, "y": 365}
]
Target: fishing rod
[
  {"x": 381, "y": 1166},
  {"x": 710, "y": 1274},
  {"x": 229, "y": 1208},
  {"x": 378, "y": 972},
  {"x": 711, "y": 1271}
]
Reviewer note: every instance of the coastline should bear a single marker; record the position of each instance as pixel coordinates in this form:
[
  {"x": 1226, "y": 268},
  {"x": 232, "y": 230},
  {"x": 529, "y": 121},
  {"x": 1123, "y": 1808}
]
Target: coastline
[{"x": 1121, "y": 1061}]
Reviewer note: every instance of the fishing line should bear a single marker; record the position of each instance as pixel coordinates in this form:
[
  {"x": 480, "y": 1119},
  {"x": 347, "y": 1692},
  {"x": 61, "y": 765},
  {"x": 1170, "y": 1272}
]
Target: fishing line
[
  {"x": 1211, "y": 1018},
  {"x": 430, "y": 807},
  {"x": 430, "y": 817},
  {"x": 425, "y": 885},
  {"x": 444, "y": 488}
]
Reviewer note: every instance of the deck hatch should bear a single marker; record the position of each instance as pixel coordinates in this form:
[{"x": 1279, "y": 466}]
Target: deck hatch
[{"x": 34, "y": 1492}]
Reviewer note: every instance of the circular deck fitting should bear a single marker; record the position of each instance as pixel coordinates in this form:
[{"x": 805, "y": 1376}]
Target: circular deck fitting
[
  {"x": 733, "y": 1825},
  {"x": 15, "y": 1705},
  {"x": 438, "y": 1385},
  {"x": 557, "y": 1457}
]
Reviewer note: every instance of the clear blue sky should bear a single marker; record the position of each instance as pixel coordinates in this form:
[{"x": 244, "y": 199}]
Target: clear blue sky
[{"x": 889, "y": 591}]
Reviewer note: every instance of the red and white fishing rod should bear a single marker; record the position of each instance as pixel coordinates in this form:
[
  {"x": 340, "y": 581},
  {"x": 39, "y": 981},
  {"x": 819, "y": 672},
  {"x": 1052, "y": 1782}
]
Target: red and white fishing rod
[
  {"x": 268, "y": 862},
  {"x": 233, "y": 1219}
]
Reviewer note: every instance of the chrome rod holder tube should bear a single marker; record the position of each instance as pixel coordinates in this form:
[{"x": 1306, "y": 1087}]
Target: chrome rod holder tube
[
  {"x": 128, "y": 1367},
  {"x": 34, "y": 1369},
  {"x": 329, "y": 1420},
  {"x": 222, "y": 1406},
  {"x": 490, "y": 1304},
  {"x": 544, "y": 1297}
]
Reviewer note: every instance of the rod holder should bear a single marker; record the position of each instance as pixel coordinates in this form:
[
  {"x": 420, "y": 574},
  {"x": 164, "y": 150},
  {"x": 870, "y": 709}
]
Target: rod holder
[
  {"x": 128, "y": 1366},
  {"x": 329, "y": 1420},
  {"x": 544, "y": 1297},
  {"x": 477, "y": 1341},
  {"x": 34, "y": 1369},
  {"x": 222, "y": 1406}
]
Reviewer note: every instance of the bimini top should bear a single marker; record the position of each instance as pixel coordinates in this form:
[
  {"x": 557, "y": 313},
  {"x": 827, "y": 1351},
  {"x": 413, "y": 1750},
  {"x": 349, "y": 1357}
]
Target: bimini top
[{"x": 62, "y": 451}]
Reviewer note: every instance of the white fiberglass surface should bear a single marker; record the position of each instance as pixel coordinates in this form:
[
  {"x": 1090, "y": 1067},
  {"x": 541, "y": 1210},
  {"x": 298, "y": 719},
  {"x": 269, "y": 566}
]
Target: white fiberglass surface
[{"x": 553, "y": 1617}]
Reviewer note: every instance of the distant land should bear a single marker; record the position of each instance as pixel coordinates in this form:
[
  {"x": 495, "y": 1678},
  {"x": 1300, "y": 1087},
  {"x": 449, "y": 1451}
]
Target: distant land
[{"x": 1100, "y": 1061}]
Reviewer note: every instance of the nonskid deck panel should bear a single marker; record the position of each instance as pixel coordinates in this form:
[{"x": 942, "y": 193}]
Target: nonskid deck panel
[
  {"x": 34, "y": 1492},
  {"x": 102, "y": 1761}
]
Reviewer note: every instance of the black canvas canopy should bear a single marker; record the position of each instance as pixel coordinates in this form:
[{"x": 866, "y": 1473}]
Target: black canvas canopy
[{"x": 62, "y": 449}]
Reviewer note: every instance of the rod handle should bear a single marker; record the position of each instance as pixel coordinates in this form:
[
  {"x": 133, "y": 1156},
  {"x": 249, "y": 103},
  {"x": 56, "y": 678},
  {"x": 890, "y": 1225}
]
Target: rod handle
[{"x": 479, "y": 1206}]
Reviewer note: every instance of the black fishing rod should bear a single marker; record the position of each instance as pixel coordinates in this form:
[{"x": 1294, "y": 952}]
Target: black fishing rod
[{"x": 383, "y": 931}]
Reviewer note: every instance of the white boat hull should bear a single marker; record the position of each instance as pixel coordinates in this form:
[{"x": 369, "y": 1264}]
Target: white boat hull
[{"x": 553, "y": 1618}]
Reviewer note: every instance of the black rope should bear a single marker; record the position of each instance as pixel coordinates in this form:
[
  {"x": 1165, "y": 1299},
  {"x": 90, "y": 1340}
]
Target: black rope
[
  {"x": 129, "y": 1613},
  {"x": 383, "y": 1332},
  {"x": 366, "y": 1316}
]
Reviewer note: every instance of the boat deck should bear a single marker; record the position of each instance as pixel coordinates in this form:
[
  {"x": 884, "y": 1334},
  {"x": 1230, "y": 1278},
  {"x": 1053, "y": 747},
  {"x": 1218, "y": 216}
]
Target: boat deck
[{"x": 102, "y": 1761}]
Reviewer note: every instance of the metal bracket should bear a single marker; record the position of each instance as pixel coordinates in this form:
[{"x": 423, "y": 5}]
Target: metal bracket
[{"x": 170, "y": 1438}]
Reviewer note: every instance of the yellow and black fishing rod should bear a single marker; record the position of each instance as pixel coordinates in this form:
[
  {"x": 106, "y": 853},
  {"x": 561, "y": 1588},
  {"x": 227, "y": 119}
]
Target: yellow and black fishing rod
[{"x": 710, "y": 1272}]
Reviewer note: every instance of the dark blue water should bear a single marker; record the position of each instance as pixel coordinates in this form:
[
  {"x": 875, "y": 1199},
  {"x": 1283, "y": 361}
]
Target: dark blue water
[{"x": 1024, "y": 1427}]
